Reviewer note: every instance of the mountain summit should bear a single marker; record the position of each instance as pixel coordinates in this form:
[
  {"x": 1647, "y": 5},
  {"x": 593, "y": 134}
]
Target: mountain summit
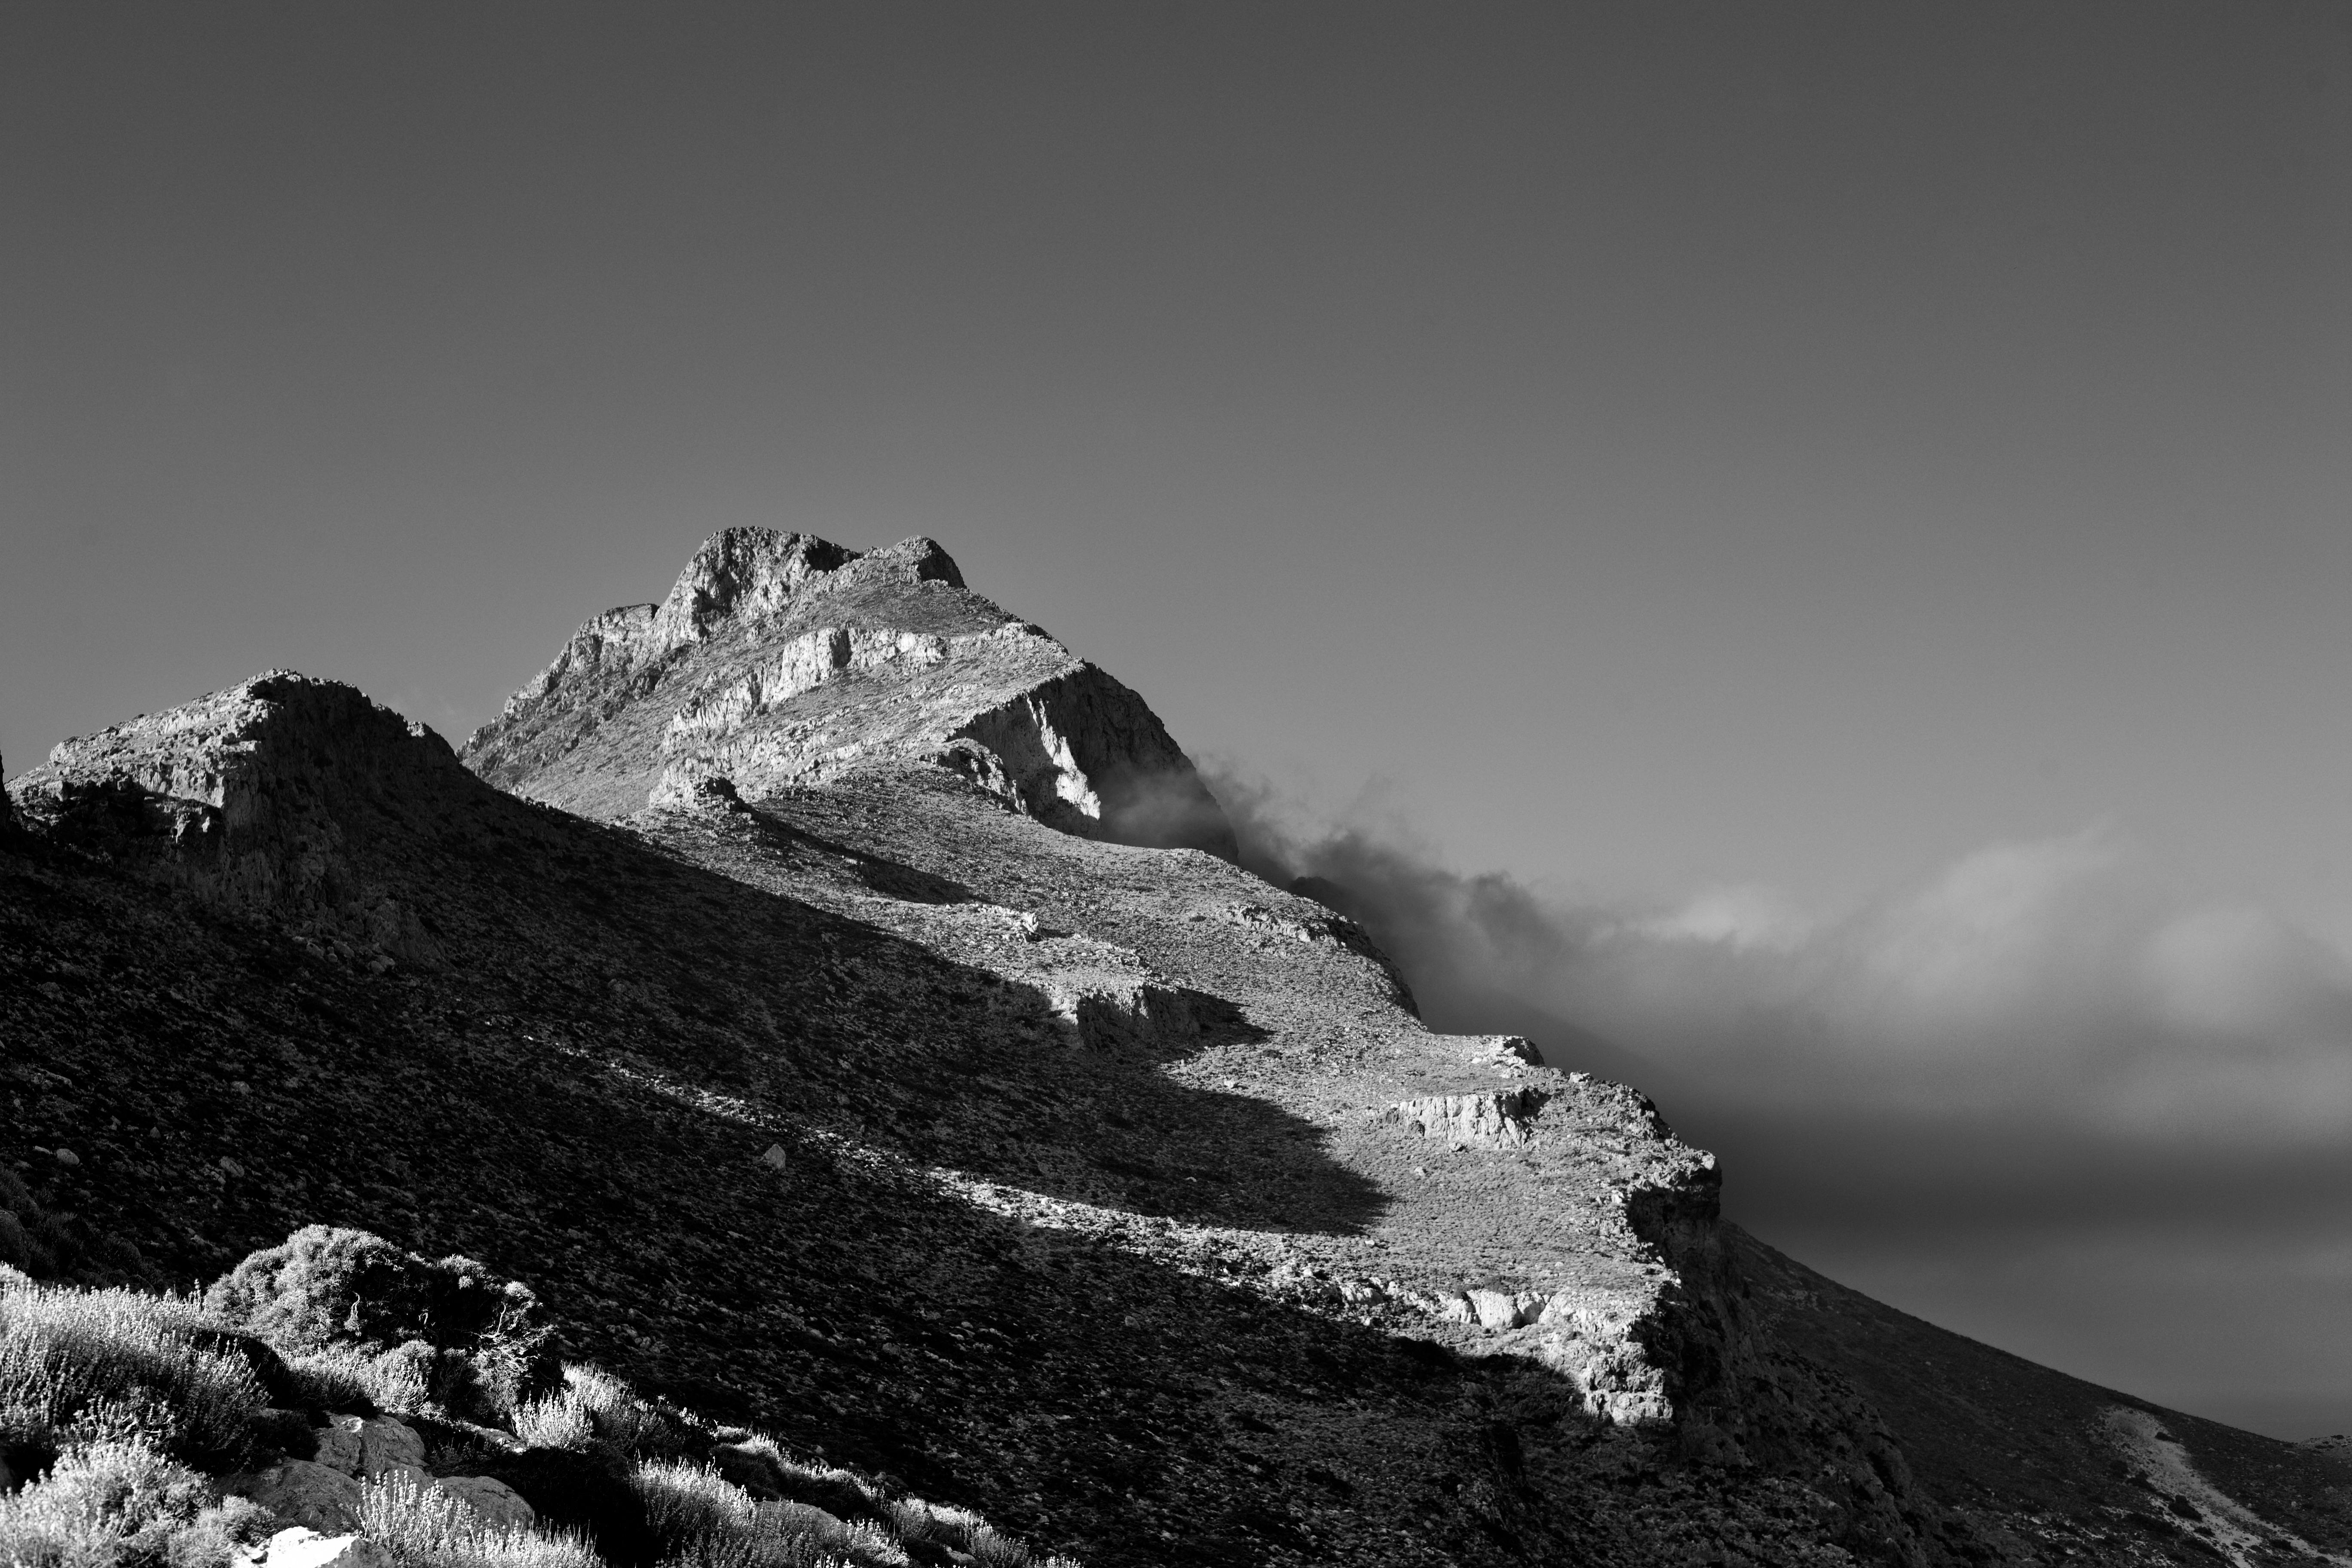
[
  {"x": 783, "y": 659},
  {"x": 812, "y": 985}
]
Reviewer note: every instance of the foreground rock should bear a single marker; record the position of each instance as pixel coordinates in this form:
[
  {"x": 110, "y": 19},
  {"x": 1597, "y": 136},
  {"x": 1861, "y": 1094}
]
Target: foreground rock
[{"x": 303, "y": 1548}]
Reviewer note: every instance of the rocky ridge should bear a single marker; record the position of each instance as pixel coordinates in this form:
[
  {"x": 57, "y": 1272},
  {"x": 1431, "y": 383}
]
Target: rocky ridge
[
  {"x": 1102, "y": 1186},
  {"x": 780, "y": 659}
]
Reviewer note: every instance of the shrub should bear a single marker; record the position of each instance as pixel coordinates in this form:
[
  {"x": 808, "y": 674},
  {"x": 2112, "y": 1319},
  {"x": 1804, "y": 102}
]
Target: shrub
[
  {"x": 123, "y": 1502},
  {"x": 561, "y": 1420},
  {"x": 424, "y": 1527},
  {"x": 994, "y": 1550},
  {"x": 619, "y": 1416},
  {"x": 88, "y": 1366},
  {"x": 683, "y": 1501},
  {"x": 757, "y": 1463},
  {"x": 325, "y": 1286},
  {"x": 702, "y": 1520}
]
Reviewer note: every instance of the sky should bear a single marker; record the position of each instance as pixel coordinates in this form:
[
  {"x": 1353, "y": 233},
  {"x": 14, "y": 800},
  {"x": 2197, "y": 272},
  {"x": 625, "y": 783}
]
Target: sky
[{"x": 1796, "y": 551}]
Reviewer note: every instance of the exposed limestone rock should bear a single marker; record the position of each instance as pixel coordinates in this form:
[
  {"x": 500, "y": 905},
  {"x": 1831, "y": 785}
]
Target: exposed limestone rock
[
  {"x": 368, "y": 1447},
  {"x": 495, "y": 1502},
  {"x": 1133, "y": 1015},
  {"x": 1509, "y": 1052},
  {"x": 303, "y": 1548},
  {"x": 339, "y": 1444},
  {"x": 780, "y": 660},
  {"x": 386, "y": 1444},
  {"x": 1472, "y": 1119},
  {"x": 259, "y": 799},
  {"x": 315, "y": 1496}
]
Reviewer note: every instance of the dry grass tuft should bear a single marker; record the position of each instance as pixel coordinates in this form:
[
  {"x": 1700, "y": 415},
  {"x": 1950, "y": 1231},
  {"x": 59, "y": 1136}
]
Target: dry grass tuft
[
  {"x": 704, "y": 1520},
  {"x": 558, "y": 1420},
  {"x": 425, "y": 1527},
  {"x": 90, "y": 1365}
]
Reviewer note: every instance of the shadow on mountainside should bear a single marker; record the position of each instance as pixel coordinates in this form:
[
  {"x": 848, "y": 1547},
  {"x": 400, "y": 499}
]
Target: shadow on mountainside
[
  {"x": 571, "y": 1102},
  {"x": 983, "y": 1076},
  {"x": 1980, "y": 1426},
  {"x": 697, "y": 1115},
  {"x": 676, "y": 1104},
  {"x": 597, "y": 943}
]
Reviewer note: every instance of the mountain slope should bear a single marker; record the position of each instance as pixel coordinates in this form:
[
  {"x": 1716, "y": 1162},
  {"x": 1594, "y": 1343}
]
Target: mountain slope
[{"x": 840, "y": 1071}]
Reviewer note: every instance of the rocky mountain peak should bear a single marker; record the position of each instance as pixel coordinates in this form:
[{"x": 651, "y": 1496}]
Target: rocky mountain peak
[
  {"x": 780, "y": 660},
  {"x": 263, "y": 797},
  {"x": 748, "y": 575}
]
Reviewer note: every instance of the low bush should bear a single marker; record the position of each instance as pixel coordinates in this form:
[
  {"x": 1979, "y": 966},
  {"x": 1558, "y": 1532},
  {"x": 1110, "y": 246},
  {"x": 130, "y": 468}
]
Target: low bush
[
  {"x": 759, "y": 1465},
  {"x": 325, "y": 1286},
  {"x": 82, "y": 1365},
  {"x": 120, "y": 1502},
  {"x": 358, "y": 1381},
  {"x": 559, "y": 1420},
  {"x": 621, "y": 1418},
  {"x": 424, "y": 1527},
  {"x": 128, "y": 1391},
  {"x": 702, "y": 1520}
]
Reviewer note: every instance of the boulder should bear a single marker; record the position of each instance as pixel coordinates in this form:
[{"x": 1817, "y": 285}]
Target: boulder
[
  {"x": 339, "y": 1444},
  {"x": 300, "y": 1548},
  {"x": 493, "y": 1500},
  {"x": 368, "y": 1447},
  {"x": 1497, "y": 1308},
  {"x": 1484, "y": 1121},
  {"x": 305, "y": 1492},
  {"x": 388, "y": 1445}
]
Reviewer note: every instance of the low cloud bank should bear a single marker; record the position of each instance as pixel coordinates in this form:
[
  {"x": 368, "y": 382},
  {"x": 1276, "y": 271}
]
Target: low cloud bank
[
  {"x": 2040, "y": 1013},
  {"x": 2047, "y": 1096}
]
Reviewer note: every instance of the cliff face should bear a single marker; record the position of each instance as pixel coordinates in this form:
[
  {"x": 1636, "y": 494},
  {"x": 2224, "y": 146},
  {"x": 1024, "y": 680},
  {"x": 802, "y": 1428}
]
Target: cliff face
[
  {"x": 824, "y": 1046},
  {"x": 781, "y": 659},
  {"x": 263, "y": 799}
]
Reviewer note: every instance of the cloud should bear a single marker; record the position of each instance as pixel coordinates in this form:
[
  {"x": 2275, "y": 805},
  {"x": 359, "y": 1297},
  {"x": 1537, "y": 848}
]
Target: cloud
[
  {"x": 2048, "y": 1096},
  {"x": 2058, "y": 1002}
]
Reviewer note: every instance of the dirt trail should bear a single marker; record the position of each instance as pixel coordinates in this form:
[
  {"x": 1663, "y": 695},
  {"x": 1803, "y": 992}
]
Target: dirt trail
[{"x": 2204, "y": 1509}]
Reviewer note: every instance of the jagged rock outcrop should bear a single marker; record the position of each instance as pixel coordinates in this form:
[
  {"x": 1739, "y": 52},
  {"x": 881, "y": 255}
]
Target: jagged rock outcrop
[
  {"x": 782, "y": 659},
  {"x": 1496, "y": 1120},
  {"x": 261, "y": 799}
]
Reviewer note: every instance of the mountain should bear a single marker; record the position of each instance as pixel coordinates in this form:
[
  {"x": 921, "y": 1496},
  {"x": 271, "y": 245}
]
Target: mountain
[{"x": 839, "y": 1001}]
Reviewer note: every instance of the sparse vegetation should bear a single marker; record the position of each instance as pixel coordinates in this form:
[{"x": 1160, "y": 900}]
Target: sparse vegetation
[
  {"x": 130, "y": 1399},
  {"x": 558, "y": 1420},
  {"x": 482, "y": 1339},
  {"x": 119, "y": 1501},
  {"x": 79, "y": 1366},
  {"x": 349, "y": 1377},
  {"x": 425, "y": 1527}
]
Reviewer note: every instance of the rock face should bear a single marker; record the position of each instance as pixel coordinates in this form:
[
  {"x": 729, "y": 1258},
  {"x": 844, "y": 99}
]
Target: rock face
[
  {"x": 303, "y": 1492},
  {"x": 493, "y": 1501},
  {"x": 782, "y": 659},
  {"x": 263, "y": 798},
  {"x": 303, "y": 1548},
  {"x": 1500, "y": 1119}
]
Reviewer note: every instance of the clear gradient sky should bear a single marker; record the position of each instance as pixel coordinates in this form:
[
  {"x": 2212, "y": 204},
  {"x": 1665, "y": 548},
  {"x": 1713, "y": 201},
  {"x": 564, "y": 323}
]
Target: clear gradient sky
[{"x": 1767, "y": 479}]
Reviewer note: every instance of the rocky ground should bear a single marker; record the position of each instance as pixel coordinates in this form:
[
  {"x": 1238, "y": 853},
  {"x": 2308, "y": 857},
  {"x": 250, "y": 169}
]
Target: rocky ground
[{"x": 1103, "y": 1188}]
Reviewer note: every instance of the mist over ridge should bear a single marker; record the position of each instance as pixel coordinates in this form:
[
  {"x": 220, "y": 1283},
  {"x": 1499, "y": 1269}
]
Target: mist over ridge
[{"x": 2051, "y": 1070}]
